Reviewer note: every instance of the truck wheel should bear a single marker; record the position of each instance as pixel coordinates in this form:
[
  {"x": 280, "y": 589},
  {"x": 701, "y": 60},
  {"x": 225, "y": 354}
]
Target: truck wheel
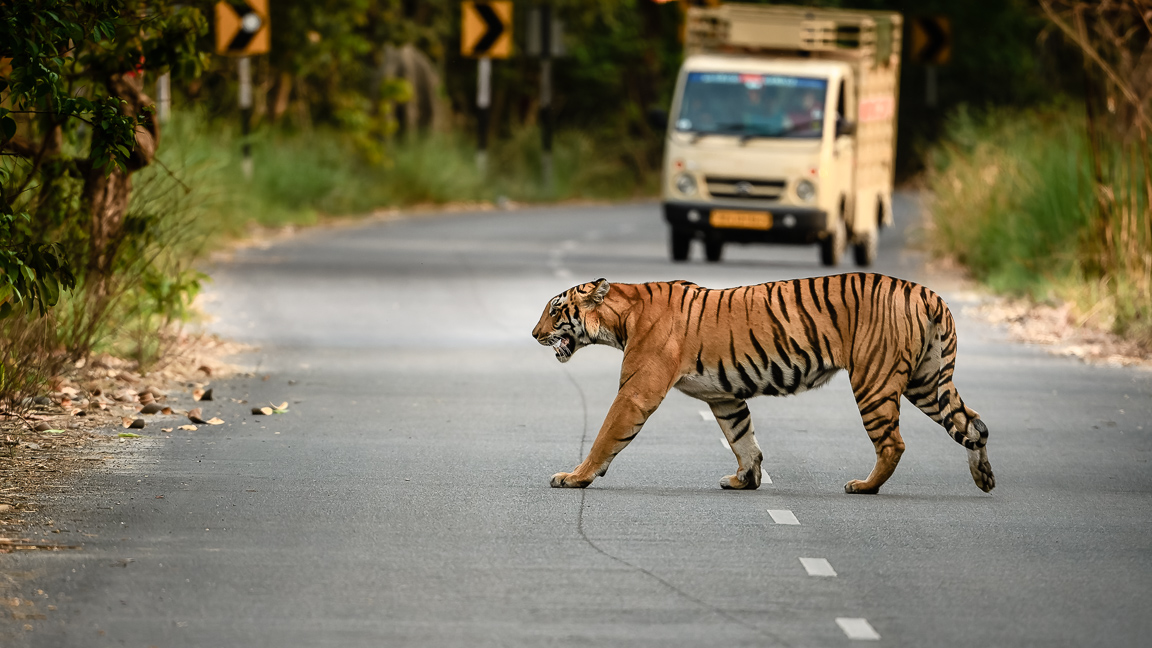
[
  {"x": 832, "y": 246},
  {"x": 865, "y": 250},
  {"x": 713, "y": 248},
  {"x": 680, "y": 241}
]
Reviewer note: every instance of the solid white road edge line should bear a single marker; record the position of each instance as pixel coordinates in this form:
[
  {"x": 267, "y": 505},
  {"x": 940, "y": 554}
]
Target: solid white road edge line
[
  {"x": 857, "y": 628},
  {"x": 817, "y": 567},
  {"x": 783, "y": 516}
]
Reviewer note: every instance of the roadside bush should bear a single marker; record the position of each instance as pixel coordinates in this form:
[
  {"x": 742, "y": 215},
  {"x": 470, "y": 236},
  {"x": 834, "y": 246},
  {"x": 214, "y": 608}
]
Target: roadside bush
[{"x": 1014, "y": 200}]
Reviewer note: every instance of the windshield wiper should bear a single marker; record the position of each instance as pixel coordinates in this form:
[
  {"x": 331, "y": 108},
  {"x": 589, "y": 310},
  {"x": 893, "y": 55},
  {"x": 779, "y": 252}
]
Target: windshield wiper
[
  {"x": 722, "y": 129},
  {"x": 794, "y": 128}
]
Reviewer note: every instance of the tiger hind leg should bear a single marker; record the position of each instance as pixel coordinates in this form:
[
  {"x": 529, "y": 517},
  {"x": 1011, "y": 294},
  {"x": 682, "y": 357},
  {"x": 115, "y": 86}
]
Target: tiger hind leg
[
  {"x": 880, "y": 412},
  {"x": 931, "y": 390},
  {"x": 736, "y": 422}
]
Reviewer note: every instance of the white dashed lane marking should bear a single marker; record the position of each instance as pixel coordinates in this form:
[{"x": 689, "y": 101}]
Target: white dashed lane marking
[
  {"x": 783, "y": 516},
  {"x": 857, "y": 628},
  {"x": 705, "y": 415},
  {"x": 764, "y": 478},
  {"x": 817, "y": 567}
]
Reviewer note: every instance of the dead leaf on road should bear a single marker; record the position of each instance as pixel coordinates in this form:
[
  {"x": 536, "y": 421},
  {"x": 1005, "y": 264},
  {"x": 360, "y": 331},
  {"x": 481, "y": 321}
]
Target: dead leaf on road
[
  {"x": 190, "y": 428},
  {"x": 151, "y": 408},
  {"x": 130, "y": 422},
  {"x": 215, "y": 421},
  {"x": 194, "y": 416}
]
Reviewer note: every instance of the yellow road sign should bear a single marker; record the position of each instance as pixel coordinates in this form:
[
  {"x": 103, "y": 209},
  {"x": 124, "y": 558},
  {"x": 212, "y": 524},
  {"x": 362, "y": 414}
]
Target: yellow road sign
[
  {"x": 242, "y": 27},
  {"x": 487, "y": 29},
  {"x": 931, "y": 41}
]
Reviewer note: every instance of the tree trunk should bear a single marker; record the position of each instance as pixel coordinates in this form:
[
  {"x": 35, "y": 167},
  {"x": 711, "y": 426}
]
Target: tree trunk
[{"x": 106, "y": 195}]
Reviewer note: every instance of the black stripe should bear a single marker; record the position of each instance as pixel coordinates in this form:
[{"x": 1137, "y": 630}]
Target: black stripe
[
  {"x": 740, "y": 435},
  {"x": 759, "y": 349},
  {"x": 727, "y": 386}
]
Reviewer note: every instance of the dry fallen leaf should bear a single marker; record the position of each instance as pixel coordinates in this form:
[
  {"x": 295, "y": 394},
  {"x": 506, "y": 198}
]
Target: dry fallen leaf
[
  {"x": 145, "y": 397},
  {"x": 194, "y": 416},
  {"x": 166, "y": 410},
  {"x": 190, "y": 428},
  {"x": 165, "y": 429},
  {"x": 65, "y": 402},
  {"x": 197, "y": 393},
  {"x": 282, "y": 406},
  {"x": 206, "y": 395},
  {"x": 267, "y": 411},
  {"x": 151, "y": 408},
  {"x": 206, "y": 369},
  {"x": 215, "y": 421},
  {"x": 42, "y": 426},
  {"x": 130, "y": 422}
]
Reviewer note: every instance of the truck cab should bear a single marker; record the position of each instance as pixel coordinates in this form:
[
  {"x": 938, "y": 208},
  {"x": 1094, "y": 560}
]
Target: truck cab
[{"x": 765, "y": 143}]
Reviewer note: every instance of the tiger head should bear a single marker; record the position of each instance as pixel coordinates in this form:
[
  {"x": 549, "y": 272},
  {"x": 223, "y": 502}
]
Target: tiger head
[{"x": 570, "y": 320}]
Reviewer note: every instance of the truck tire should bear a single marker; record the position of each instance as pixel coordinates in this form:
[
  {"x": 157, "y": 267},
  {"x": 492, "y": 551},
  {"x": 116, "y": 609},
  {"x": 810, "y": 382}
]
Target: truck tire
[
  {"x": 679, "y": 243},
  {"x": 713, "y": 249},
  {"x": 865, "y": 249},
  {"x": 832, "y": 247}
]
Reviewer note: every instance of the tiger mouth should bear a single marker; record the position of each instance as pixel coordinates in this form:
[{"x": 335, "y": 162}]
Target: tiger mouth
[{"x": 563, "y": 346}]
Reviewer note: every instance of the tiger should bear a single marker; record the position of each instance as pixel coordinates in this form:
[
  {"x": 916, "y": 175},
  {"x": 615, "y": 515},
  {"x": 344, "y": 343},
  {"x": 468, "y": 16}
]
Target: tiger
[{"x": 894, "y": 337}]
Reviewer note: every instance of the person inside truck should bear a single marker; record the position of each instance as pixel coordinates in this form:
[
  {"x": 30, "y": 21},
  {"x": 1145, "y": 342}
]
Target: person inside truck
[
  {"x": 764, "y": 111},
  {"x": 808, "y": 114}
]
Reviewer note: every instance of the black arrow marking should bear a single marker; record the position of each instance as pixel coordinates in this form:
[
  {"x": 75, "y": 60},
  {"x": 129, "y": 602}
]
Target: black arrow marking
[
  {"x": 937, "y": 39},
  {"x": 243, "y": 36},
  {"x": 495, "y": 29}
]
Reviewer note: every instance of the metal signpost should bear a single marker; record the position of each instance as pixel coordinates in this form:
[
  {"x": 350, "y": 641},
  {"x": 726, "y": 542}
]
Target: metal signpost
[
  {"x": 486, "y": 33},
  {"x": 545, "y": 40},
  {"x": 242, "y": 30},
  {"x": 931, "y": 44}
]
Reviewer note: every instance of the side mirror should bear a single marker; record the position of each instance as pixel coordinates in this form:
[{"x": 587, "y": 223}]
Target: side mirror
[
  {"x": 658, "y": 118},
  {"x": 845, "y": 127}
]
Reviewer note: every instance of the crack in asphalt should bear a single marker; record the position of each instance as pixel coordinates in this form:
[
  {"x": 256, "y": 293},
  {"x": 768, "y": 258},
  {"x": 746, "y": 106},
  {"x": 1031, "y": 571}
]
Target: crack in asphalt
[{"x": 584, "y": 536}]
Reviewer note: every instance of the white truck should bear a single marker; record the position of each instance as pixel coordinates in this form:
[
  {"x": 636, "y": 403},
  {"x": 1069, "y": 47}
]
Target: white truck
[{"x": 783, "y": 129}]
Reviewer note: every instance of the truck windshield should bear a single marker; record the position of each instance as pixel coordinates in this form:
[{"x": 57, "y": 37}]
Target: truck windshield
[{"x": 752, "y": 105}]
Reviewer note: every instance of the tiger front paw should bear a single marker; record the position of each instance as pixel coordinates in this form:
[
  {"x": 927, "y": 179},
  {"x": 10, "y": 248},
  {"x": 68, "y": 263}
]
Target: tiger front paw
[
  {"x": 569, "y": 480},
  {"x": 858, "y": 487}
]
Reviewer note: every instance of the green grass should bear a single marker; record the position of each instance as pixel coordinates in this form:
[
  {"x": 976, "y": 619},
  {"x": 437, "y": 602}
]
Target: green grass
[
  {"x": 301, "y": 177},
  {"x": 1015, "y": 201}
]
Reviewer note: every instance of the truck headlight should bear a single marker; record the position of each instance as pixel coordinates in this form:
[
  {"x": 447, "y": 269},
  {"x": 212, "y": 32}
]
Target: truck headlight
[
  {"x": 805, "y": 191},
  {"x": 686, "y": 184}
]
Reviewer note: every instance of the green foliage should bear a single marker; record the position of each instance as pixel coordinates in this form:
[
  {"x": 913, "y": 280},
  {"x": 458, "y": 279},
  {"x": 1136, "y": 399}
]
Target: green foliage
[
  {"x": 1015, "y": 202},
  {"x": 64, "y": 120}
]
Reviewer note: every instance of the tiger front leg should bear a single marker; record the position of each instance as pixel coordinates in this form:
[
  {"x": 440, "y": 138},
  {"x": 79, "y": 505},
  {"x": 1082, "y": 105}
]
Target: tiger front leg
[
  {"x": 736, "y": 422},
  {"x": 627, "y": 415}
]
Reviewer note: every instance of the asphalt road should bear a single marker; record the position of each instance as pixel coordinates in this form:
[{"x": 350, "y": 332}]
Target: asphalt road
[{"x": 403, "y": 500}]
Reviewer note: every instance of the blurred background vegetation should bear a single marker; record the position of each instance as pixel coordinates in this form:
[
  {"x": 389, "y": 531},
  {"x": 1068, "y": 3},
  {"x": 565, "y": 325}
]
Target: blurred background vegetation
[{"x": 1035, "y": 151}]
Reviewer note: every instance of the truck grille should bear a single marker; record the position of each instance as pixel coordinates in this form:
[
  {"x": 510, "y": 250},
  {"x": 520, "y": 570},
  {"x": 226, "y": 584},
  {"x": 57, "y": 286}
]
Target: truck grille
[{"x": 742, "y": 188}]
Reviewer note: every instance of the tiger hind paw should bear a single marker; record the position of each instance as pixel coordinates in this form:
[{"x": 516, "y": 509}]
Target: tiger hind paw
[{"x": 751, "y": 481}]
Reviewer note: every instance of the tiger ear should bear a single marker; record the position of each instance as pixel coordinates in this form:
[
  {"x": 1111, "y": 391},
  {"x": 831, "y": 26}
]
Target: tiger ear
[{"x": 599, "y": 291}]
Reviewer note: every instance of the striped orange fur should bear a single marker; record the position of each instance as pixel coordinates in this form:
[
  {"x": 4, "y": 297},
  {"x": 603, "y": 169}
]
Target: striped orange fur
[{"x": 894, "y": 338}]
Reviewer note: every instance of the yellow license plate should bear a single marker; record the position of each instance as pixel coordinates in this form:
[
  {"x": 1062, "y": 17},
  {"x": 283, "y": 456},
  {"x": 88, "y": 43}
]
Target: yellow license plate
[{"x": 739, "y": 219}]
